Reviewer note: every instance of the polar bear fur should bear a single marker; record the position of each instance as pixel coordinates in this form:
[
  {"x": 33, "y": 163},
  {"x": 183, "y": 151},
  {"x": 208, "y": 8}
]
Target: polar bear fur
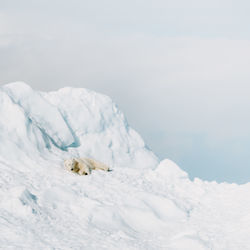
[{"x": 84, "y": 166}]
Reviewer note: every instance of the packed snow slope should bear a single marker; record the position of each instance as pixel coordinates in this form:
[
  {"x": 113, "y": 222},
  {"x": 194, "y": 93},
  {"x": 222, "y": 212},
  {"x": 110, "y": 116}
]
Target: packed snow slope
[{"x": 141, "y": 204}]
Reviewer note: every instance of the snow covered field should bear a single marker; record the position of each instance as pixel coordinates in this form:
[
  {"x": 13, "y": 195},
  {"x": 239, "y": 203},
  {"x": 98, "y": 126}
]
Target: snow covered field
[{"x": 141, "y": 204}]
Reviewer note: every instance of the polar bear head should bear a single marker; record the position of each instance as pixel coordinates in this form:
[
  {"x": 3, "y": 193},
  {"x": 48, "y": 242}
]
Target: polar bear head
[
  {"x": 69, "y": 164},
  {"x": 77, "y": 166}
]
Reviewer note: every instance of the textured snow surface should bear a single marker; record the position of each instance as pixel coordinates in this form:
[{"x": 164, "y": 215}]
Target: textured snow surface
[{"x": 141, "y": 204}]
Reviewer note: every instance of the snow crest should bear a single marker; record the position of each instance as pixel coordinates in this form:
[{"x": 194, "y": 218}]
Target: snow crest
[{"x": 141, "y": 204}]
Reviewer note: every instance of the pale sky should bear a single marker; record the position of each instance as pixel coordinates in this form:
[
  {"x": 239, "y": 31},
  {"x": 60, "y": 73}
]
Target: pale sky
[{"x": 179, "y": 70}]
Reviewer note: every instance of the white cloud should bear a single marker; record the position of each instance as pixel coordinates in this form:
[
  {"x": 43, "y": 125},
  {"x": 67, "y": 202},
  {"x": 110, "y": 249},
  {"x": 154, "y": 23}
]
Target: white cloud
[{"x": 173, "y": 89}]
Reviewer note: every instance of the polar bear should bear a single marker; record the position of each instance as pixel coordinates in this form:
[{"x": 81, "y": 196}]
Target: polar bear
[{"x": 84, "y": 166}]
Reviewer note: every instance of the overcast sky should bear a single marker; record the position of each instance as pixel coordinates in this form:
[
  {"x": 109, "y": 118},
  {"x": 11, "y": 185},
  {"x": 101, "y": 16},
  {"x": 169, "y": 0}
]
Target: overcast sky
[{"x": 179, "y": 69}]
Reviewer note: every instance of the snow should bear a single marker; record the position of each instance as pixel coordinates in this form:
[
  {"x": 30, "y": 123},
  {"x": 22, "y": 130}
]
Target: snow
[
  {"x": 141, "y": 204},
  {"x": 44, "y": 115}
]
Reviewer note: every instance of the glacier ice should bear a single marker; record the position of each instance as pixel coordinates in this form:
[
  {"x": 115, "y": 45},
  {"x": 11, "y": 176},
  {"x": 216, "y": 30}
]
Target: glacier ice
[
  {"x": 75, "y": 120},
  {"x": 41, "y": 113},
  {"x": 141, "y": 204}
]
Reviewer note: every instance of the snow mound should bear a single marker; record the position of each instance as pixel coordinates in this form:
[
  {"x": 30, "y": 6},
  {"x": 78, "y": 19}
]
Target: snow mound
[
  {"x": 170, "y": 170},
  {"x": 141, "y": 204},
  {"x": 78, "y": 121}
]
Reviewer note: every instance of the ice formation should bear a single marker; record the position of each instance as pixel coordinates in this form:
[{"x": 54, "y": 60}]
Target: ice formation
[{"x": 141, "y": 204}]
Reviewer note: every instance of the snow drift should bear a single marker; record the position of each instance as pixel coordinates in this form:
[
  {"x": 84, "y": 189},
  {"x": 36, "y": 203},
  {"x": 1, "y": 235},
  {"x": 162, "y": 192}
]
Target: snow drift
[{"x": 142, "y": 204}]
